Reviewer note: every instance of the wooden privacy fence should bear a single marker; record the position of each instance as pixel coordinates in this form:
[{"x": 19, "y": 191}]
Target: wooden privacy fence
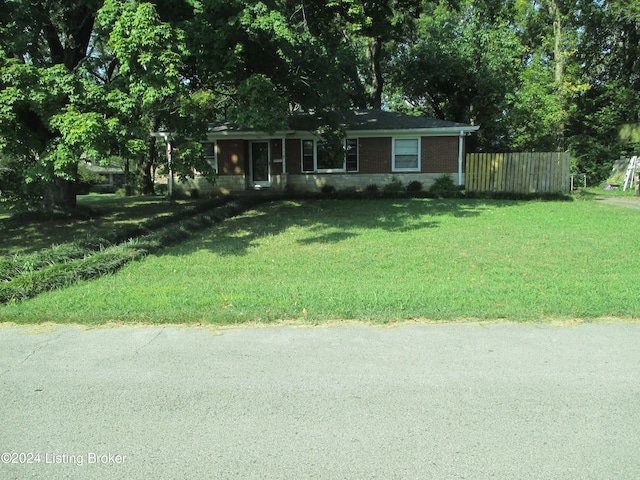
[{"x": 518, "y": 172}]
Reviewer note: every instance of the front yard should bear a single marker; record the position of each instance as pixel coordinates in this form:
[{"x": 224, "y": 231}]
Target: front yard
[
  {"x": 381, "y": 260},
  {"x": 99, "y": 215}
]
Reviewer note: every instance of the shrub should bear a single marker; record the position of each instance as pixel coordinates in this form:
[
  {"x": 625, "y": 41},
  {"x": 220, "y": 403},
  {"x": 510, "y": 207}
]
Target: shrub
[
  {"x": 371, "y": 191},
  {"x": 394, "y": 186},
  {"x": 328, "y": 189},
  {"x": 523, "y": 196},
  {"x": 414, "y": 186},
  {"x": 444, "y": 185},
  {"x": 161, "y": 189}
]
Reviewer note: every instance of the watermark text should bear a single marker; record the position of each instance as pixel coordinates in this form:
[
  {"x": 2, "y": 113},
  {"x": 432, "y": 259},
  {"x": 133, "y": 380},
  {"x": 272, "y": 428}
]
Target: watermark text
[{"x": 52, "y": 458}]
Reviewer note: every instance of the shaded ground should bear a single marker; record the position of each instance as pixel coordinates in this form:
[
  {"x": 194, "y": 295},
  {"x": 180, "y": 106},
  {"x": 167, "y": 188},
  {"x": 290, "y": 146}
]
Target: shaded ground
[{"x": 105, "y": 215}]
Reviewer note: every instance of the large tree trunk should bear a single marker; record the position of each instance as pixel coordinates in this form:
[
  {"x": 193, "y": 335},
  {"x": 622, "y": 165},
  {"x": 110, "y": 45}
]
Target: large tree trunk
[
  {"x": 60, "y": 196},
  {"x": 559, "y": 60},
  {"x": 377, "y": 84},
  {"x": 68, "y": 39},
  {"x": 145, "y": 179}
]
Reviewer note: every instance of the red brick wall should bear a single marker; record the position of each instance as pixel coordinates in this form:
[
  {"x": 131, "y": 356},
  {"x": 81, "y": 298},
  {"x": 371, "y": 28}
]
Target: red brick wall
[
  {"x": 276, "y": 154},
  {"x": 374, "y": 155},
  {"x": 439, "y": 155},
  {"x": 293, "y": 152},
  {"x": 233, "y": 157}
]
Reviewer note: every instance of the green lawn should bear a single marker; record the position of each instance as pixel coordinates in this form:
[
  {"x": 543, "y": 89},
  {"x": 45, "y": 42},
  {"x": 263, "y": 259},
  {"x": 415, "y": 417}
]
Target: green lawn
[
  {"x": 595, "y": 192},
  {"x": 109, "y": 212},
  {"x": 382, "y": 260}
]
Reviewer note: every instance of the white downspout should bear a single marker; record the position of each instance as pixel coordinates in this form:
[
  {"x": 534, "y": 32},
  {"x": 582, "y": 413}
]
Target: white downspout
[
  {"x": 460, "y": 150},
  {"x": 170, "y": 183}
]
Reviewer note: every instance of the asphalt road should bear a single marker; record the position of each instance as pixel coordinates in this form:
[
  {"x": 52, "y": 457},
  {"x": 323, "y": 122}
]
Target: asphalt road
[{"x": 445, "y": 401}]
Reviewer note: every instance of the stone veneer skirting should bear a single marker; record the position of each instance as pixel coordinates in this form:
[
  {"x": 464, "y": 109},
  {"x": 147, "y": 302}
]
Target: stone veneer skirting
[
  {"x": 311, "y": 182},
  {"x": 315, "y": 181}
]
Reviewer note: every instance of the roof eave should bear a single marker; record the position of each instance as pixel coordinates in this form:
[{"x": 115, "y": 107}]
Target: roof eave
[
  {"x": 452, "y": 131},
  {"x": 247, "y": 134}
]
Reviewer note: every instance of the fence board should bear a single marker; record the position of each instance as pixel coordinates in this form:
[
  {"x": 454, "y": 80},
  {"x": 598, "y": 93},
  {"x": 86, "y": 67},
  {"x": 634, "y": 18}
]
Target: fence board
[{"x": 529, "y": 172}]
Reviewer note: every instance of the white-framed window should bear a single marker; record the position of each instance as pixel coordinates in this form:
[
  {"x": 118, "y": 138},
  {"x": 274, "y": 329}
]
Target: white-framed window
[
  {"x": 406, "y": 154},
  {"x": 318, "y": 157},
  {"x": 210, "y": 154},
  {"x": 351, "y": 154},
  {"x": 308, "y": 156}
]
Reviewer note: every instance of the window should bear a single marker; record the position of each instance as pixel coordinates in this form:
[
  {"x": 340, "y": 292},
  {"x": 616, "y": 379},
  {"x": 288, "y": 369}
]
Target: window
[
  {"x": 319, "y": 156},
  {"x": 351, "y": 154},
  {"x": 406, "y": 154},
  {"x": 210, "y": 154},
  {"x": 330, "y": 158},
  {"x": 308, "y": 157}
]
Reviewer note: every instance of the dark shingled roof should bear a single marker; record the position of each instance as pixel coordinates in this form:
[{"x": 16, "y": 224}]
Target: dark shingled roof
[
  {"x": 373, "y": 120},
  {"x": 357, "y": 120}
]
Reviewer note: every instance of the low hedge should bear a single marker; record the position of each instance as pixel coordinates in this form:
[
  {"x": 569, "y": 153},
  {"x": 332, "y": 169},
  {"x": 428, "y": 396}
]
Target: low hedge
[
  {"x": 25, "y": 264},
  {"x": 373, "y": 193},
  {"x": 64, "y": 274},
  {"x": 54, "y": 275}
]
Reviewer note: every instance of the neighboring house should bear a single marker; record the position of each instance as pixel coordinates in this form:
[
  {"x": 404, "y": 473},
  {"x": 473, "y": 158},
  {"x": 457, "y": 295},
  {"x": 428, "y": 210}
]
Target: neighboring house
[
  {"x": 378, "y": 147},
  {"x": 112, "y": 176}
]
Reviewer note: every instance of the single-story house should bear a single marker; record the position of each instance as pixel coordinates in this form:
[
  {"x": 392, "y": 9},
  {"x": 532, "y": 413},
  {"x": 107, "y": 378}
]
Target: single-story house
[
  {"x": 378, "y": 147},
  {"x": 113, "y": 177}
]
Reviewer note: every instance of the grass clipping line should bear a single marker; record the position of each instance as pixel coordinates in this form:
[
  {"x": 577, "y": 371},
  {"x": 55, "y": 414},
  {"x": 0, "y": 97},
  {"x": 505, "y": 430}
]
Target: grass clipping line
[{"x": 111, "y": 259}]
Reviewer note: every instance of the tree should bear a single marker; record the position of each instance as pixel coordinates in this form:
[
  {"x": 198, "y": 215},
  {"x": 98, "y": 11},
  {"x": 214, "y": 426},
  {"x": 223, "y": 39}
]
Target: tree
[
  {"x": 43, "y": 46},
  {"x": 143, "y": 59},
  {"x": 608, "y": 54},
  {"x": 368, "y": 31},
  {"x": 462, "y": 66}
]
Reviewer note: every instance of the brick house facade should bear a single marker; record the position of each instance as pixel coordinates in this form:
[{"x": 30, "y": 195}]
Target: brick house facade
[{"x": 378, "y": 147}]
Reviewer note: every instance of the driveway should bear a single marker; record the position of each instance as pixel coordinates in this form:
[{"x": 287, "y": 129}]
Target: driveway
[
  {"x": 420, "y": 401},
  {"x": 629, "y": 202}
]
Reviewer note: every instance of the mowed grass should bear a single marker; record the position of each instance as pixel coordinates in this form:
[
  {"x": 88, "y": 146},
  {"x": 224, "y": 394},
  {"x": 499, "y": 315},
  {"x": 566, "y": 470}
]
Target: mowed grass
[
  {"x": 110, "y": 214},
  {"x": 380, "y": 261}
]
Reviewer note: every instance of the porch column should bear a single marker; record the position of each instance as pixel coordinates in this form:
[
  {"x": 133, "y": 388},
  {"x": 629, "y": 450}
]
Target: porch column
[
  {"x": 460, "y": 154},
  {"x": 284, "y": 155}
]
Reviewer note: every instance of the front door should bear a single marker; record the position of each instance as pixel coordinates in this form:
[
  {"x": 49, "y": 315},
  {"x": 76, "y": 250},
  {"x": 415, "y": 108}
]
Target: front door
[{"x": 260, "y": 164}]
